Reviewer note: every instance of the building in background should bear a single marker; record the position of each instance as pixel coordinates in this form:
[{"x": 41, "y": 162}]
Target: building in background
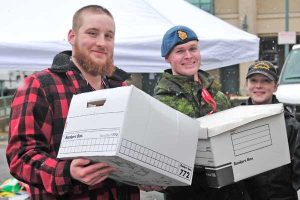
[{"x": 264, "y": 18}]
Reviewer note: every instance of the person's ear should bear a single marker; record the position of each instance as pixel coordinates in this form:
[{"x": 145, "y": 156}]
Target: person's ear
[
  {"x": 167, "y": 59},
  {"x": 275, "y": 87},
  {"x": 71, "y": 37}
]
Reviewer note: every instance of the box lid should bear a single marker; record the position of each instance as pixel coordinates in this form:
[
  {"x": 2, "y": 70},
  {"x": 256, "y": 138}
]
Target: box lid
[
  {"x": 100, "y": 101},
  {"x": 226, "y": 120}
]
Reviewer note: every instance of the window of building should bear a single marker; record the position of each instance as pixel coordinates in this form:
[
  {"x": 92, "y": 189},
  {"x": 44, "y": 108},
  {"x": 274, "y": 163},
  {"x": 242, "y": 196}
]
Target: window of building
[
  {"x": 207, "y": 5},
  {"x": 270, "y": 50}
]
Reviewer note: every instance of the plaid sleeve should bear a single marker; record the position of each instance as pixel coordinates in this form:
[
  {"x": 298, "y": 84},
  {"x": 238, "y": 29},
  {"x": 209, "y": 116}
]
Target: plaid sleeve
[{"x": 30, "y": 153}]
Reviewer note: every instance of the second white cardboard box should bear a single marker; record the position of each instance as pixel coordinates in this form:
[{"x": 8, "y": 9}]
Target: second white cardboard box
[
  {"x": 147, "y": 141},
  {"x": 241, "y": 142}
]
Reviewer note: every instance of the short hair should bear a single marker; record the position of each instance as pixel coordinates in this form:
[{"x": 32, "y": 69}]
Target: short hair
[{"x": 90, "y": 8}]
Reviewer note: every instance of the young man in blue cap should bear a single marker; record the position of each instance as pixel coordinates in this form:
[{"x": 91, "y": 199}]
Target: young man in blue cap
[
  {"x": 194, "y": 92},
  {"x": 261, "y": 83},
  {"x": 185, "y": 87}
]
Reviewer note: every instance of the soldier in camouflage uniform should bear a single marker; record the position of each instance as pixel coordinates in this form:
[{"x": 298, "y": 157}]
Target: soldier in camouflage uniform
[
  {"x": 184, "y": 94},
  {"x": 195, "y": 93}
]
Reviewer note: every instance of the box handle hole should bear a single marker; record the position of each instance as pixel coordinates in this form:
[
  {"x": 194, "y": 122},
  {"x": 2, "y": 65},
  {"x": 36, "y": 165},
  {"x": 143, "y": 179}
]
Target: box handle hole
[{"x": 97, "y": 103}]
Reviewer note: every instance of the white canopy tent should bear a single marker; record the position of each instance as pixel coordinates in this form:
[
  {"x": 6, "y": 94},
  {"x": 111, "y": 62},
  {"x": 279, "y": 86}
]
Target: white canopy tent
[{"x": 33, "y": 31}]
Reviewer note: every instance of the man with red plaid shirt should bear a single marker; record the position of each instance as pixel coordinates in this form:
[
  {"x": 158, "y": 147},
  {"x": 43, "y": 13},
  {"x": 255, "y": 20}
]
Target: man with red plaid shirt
[{"x": 39, "y": 111}]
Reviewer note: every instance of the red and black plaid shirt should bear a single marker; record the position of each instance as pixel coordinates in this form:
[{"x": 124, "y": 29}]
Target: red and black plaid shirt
[{"x": 38, "y": 114}]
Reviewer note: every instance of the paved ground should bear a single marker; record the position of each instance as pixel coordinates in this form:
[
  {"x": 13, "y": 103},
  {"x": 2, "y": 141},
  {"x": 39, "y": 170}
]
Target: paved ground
[
  {"x": 4, "y": 173},
  {"x": 151, "y": 196}
]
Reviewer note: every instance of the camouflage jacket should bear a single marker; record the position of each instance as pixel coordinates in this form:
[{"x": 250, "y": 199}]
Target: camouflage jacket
[{"x": 184, "y": 94}]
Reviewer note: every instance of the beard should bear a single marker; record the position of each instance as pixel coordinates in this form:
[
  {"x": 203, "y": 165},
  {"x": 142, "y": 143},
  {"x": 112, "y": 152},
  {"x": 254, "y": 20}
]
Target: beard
[{"x": 90, "y": 66}]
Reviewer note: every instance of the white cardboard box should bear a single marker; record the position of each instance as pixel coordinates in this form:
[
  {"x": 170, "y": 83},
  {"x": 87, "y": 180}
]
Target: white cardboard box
[
  {"x": 241, "y": 142},
  {"x": 147, "y": 141}
]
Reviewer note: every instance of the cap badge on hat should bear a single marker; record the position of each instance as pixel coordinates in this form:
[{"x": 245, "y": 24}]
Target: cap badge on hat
[
  {"x": 182, "y": 35},
  {"x": 262, "y": 66}
]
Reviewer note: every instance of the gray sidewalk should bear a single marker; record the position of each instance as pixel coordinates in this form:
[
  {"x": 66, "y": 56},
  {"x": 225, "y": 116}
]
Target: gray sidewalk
[
  {"x": 4, "y": 172},
  {"x": 151, "y": 196}
]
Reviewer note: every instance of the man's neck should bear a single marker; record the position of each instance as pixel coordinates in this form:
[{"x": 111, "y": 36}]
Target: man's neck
[
  {"x": 197, "y": 78},
  {"x": 94, "y": 81}
]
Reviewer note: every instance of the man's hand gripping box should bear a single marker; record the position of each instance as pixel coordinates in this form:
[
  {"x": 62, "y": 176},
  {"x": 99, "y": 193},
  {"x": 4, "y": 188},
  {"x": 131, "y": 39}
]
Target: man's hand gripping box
[{"x": 147, "y": 141}]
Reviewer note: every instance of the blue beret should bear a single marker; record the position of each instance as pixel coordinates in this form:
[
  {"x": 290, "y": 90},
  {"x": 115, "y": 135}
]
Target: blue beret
[{"x": 175, "y": 36}]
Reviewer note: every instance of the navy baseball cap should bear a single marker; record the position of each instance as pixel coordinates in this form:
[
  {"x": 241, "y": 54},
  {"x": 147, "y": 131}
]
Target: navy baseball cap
[
  {"x": 265, "y": 68},
  {"x": 175, "y": 36}
]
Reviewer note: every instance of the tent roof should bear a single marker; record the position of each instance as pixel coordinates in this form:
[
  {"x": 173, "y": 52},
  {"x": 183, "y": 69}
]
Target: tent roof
[{"x": 33, "y": 31}]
